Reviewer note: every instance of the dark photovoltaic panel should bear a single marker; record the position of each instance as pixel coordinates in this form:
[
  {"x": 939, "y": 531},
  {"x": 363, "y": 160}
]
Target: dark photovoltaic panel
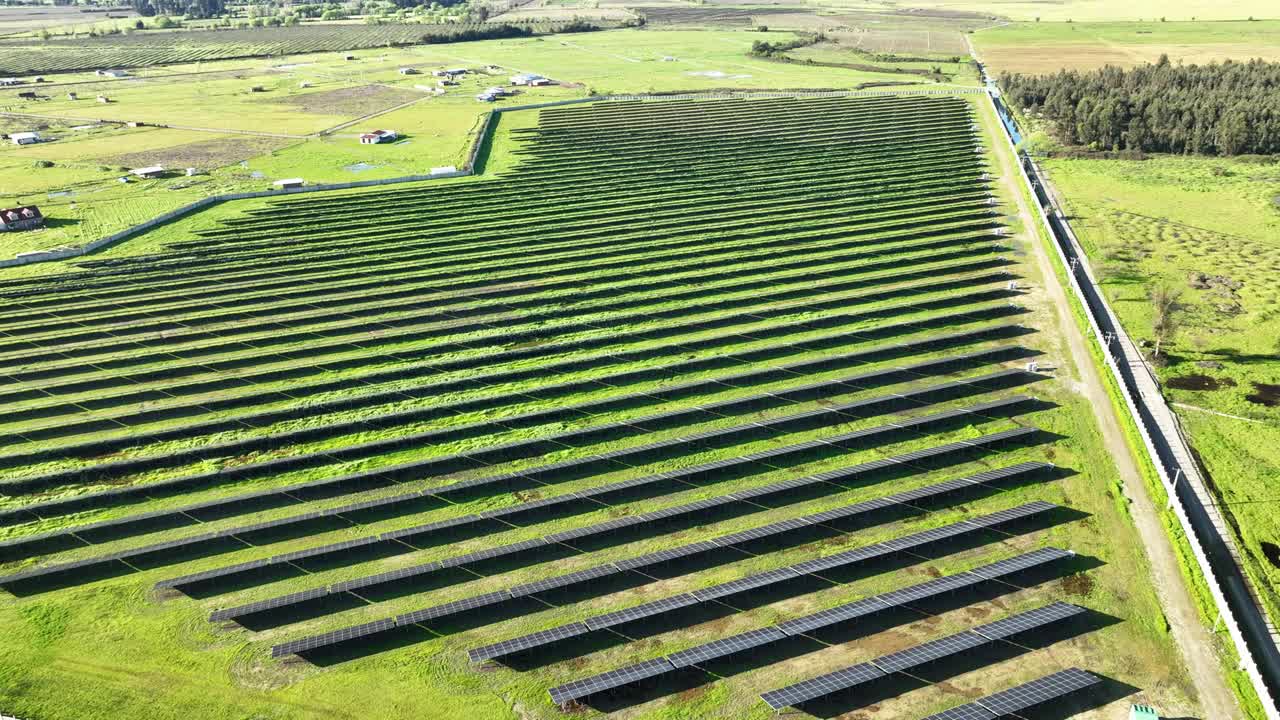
[
  {"x": 822, "y": 685},
  {"x": 1022, "y": 562},
  {"x": 1012, "y": 514},
  {"x": 842, "y": 559},
  {"x": 493, "y": 552},
  {"x": 1030, "y": 620},
  {"x": 832, "y": 616},
  {"x": 763, "y": 531},
  {"x": 964, "y": 712},
  {"x": 389, "y": 576},
  {"x": 933, "y": 490},
  {"x": 747, "y": 583},
  {"x": 1050, "y": 687},
  {"x": 928, "y": 536},
  {"x": 725, "y": 646},
  {"x": 331, "y": 638},
  {"x": 638, "y": 612},
  {"x": 929, "y": 651},
  {"x": 606, "y": 681},
  {"x": 270, "y": 604},
  {"x": 563, "y": 580},
  {"x": 429, "y": 527},
  {"x": 453, "y": 608},
  {"x": 526, "y": 642},
  {"x": 849, "y": 511},
  {"x": 929, "y": 589},
  {"x": 666, "y": 555}
]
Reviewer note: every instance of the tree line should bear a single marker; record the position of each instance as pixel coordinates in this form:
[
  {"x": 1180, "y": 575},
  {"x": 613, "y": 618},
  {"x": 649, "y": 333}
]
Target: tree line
[{"x": 1228, "y": 108}]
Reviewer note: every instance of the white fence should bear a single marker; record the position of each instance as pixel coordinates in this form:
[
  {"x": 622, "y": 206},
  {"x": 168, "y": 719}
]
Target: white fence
[{"x": 1133, "y": 399}]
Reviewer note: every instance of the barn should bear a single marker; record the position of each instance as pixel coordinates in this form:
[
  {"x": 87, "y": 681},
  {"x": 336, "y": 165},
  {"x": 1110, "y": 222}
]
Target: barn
[{"x": 21, "y": 218}]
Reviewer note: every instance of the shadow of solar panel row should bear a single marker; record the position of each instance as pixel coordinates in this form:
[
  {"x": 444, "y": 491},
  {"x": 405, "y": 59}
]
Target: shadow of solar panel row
[
  {"x": 467, "y": 604},
  {"x": 405, "y": 536},
  {"x": 1021, "y": 698},
  {"x": 913, "y": 657},
  {"x": 579, "y": 689},
  {"x": 597, "y": 530},
  {"x": 387, "y": 475},
  {"x": 756, "y": 581}
]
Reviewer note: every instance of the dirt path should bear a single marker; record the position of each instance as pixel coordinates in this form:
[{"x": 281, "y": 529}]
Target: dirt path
[{"x": 1193, "y": 640}]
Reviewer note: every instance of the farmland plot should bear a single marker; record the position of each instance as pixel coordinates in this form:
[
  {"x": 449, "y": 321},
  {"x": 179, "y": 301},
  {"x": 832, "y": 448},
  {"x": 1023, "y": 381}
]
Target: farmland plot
[{"x": 678, "y": 394}]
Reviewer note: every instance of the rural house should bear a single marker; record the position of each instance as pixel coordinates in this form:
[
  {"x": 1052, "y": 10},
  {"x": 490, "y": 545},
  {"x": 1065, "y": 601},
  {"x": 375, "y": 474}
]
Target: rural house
[
  {"x": 28, "y": 95},
  {"x": 25, "y": 138},
  {"x": 112, "y": 73},
  {"x": 527, "y": 79},
  {"x": 21, "y": 218},
  {"x": 408, "y": 71},
  {"x": 378, "y": 136},
  {"x": 290, "y": 183},
  {"x": 149, "y": 173}
]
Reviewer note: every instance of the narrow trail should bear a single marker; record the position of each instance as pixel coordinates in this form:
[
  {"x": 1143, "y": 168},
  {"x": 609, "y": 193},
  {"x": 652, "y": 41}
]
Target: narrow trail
[{"x": 1194, "y": 641}]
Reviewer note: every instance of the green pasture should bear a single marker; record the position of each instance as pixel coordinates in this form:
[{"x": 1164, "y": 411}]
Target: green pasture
[{"x": 1158, "y": 221}]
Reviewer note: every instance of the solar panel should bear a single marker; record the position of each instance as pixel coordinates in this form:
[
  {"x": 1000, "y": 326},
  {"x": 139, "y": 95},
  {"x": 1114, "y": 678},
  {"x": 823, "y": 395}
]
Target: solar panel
[
  {"x": 606, "y": 681},
  {"x": 761, "y": 532},
  {"x": 325, "y": 549},
  {"x": 563, "y": 580},
  {"x": 928, "y": 536},
  {"x": 1004, "y": 516},
  {"x": 389, "y": 576},
  {"x": 929, "y": 589},
  {"x": 841, "y": 559},
  {"x": 429, "y": 527},
  {"x": 1021, "y": 562},
  {"x": 832, "y": 616},
  {"x": 211, "y": 574},
  {"x": 1050, "y": 687},
  {"x": 271, "y": 604},
  {"x": 1030, "y": 620},
  {"x": 662, "y": 556},
  {"x": 1011, "y": 471},
  {"x": 526, "y": 642},
  {"x": 929, "y": 651},
  {"x": 639, "y": 612},
  {"x": 531, "y": 505},
  {"x": 774, "y": 488},
  {"x": 493, "y": 552},
  {"x": 931, "y": 491},
  {"x": 750, "y": 582},
  {"x": 453, "y": 608},
  {"x": 332, "y": 638},
  {"x": 964, "y": 712},
  {"x": 814, "y": 688},
  {"x": 725, "y": 646}
]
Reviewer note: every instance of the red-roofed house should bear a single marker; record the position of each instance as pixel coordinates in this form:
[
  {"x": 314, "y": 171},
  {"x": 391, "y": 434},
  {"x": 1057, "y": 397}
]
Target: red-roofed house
[
  {"x": 21, "y": 218},
  {"x": 378, "y": 136}
]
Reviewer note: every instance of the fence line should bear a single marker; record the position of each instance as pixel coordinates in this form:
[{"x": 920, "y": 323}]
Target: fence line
[{"x": 1145, "y": 405}]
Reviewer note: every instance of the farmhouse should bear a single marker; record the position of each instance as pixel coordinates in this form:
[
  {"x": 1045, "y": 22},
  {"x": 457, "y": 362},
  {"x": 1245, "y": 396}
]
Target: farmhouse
[
  {"x": 449, "y": 73},
  {"x": 289, "y": 183},
  {"x": 104, "y": 99},
  {"x": 149, "y": 173},
  {"x": 25, "y": 138},
  {"x": 486, "y": 97},
  {"x": 21, "y": 218},
  {"x": 10, "y": 81},
  {"x": 28, "y": 95},
  {"x": 528, "y": 79},
  {"x": 111, "y": 73},
  {"x": 409, "y": 71},
  {"x": 72, "y": 96},
  {"x": 378, "y": 136}
]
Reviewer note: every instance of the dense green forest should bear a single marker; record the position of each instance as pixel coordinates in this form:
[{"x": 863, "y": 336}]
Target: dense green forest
[{"x": 1230, "y": 108}]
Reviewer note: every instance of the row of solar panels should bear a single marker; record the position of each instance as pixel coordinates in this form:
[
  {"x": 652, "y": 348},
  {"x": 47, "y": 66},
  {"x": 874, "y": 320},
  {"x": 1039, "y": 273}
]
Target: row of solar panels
[
  {"x": 934, "y": 650},
  {"x": 11, "y": 549},
  {"x": 531, "y": 326},
  {"x": 559, "y": 413},
  {"x": 462, "y": 317},
  {"x": 665, "y": 556},
  {"x": 598, "y": 530},
  {"x": 695, "y": 476},
  {"x": 778, "y": 577},
  {"x": 1017, "y": 700},
  {"x": 703, "y": 440},
  {"x": 264, "y": 418},
  {"x": 906, "y": 597},
  {"x": 240, "y": 472}
]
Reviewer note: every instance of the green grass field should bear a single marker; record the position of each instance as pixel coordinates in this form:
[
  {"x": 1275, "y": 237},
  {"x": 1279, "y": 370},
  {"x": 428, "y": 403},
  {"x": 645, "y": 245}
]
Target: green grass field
[
  {"x": 217, "y": 97},
  {"x": 578, "y": 300},
  {"x": 1044, "y": 47},
  {"x": 1082, "y": 10},
  {"x": 1159, "y": 221}
]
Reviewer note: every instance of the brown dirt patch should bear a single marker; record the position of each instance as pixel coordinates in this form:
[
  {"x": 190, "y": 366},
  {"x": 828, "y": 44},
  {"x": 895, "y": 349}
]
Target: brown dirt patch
[
  {"x": 1199, "y": 382},
  {"x": 1079, "y": 584},
  {"x": 205, "y": 154},
  {"x": 352, "y": 101}
]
